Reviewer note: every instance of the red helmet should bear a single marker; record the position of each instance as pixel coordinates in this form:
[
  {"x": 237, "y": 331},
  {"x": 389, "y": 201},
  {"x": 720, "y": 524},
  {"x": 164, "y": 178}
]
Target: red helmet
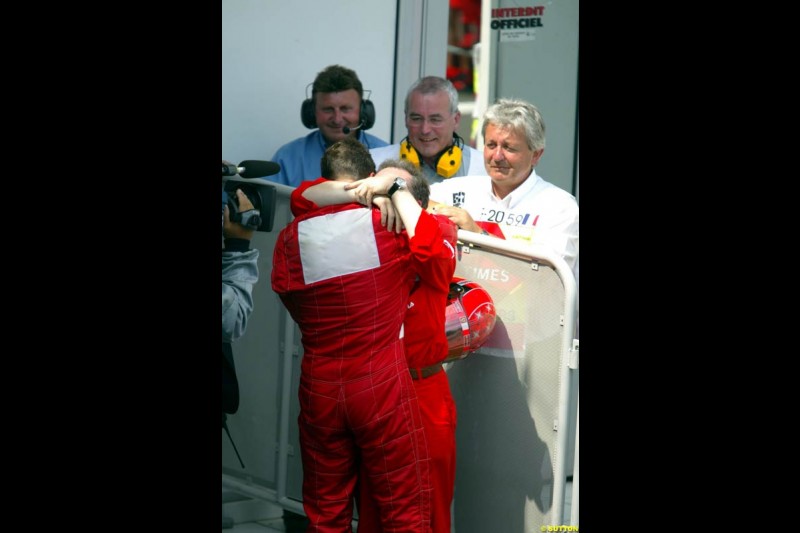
[{"x": 469, "y": 318}]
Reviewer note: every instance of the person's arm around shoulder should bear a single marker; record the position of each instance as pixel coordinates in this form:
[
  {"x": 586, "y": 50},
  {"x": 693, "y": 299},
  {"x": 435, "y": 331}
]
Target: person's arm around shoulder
[
  {"x": 329, "y": 192},
  {"x": 334, "y": 192},
  {"x": 393, "y": 183}
]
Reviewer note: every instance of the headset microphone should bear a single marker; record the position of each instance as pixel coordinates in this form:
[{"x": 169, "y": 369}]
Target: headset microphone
[{"x": 347, "y": 130}]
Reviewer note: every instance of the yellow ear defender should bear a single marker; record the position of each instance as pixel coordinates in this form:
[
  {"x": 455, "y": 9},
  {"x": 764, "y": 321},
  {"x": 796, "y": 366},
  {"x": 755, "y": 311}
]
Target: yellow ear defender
[{"x": 449, "y": 159}]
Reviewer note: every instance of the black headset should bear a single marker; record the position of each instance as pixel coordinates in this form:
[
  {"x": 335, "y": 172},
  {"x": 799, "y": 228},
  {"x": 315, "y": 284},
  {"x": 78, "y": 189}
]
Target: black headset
[
  {"x": 447, "y": 162},
  {"x": 366, "y": 116}
]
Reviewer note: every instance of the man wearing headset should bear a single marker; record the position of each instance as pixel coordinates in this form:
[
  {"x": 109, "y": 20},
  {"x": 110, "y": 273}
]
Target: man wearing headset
[
  {"x": 336, "y": 109},
  {"x": 432, "y": 144}
]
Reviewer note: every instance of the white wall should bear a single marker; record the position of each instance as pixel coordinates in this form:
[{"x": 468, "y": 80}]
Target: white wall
[{"x": 271, "y": 50}]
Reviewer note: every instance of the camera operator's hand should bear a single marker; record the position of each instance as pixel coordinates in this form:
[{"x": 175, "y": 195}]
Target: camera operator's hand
[{"x": 233, "y": 229}]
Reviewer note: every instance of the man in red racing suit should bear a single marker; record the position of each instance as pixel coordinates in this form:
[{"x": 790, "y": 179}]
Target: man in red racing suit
[
  {"x": 426, "y": 344},
  {"x": 345, "y": 280}
]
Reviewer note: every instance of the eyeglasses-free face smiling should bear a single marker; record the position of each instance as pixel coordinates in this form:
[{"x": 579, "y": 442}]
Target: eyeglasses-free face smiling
[
  {"x": 336, "y": 110},
  {"x": 430, "y": 124}
]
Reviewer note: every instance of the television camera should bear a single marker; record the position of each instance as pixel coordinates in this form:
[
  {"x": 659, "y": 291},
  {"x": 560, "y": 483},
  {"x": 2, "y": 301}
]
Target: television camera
[{"x": 263, "y": 196}]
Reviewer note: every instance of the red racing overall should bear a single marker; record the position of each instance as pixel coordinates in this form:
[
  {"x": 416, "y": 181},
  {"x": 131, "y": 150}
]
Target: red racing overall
[
  {"x": 433, "y": 254},
  {"x": 345, "y": 280}
]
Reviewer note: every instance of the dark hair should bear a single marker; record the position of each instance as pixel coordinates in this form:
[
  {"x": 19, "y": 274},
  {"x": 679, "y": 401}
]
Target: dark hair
[
  {"x": 347, "y": 158},
  {"x": 334, "y": 79},
  {"x": 419, "y": 187}
]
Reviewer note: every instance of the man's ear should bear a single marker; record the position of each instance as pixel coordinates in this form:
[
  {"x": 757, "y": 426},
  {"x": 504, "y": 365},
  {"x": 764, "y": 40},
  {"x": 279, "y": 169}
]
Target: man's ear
[{"x": 371, "y": 174}]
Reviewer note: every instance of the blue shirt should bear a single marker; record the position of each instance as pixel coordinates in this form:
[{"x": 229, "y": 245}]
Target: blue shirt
[{"x": 300, "y": 159}]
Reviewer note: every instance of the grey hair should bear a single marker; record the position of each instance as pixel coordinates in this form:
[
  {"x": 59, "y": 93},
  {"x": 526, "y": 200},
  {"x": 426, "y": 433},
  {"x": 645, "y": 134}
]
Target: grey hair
[
  {"x": 433, "y": 85},
  {"x": 518, "y": 115}
]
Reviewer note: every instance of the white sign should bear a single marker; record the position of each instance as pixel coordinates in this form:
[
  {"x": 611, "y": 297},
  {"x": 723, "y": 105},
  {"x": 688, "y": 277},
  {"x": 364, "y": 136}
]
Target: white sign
[{"x": 513, "y": 36}]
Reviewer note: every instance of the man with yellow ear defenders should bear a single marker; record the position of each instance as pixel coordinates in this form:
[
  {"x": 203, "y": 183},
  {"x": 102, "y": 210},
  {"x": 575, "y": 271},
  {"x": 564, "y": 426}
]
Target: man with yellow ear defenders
[{"x": 432, "y": 144}]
